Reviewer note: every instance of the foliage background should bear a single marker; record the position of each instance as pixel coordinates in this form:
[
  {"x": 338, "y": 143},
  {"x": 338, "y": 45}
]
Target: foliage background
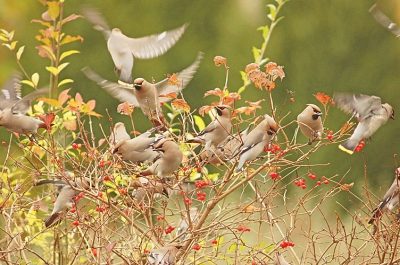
[{"x": 325, "y": 46}]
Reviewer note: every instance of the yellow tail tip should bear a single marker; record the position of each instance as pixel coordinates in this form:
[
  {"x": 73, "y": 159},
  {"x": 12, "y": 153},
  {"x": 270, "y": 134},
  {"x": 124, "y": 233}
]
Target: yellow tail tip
[{"x": 341, "y": 147}]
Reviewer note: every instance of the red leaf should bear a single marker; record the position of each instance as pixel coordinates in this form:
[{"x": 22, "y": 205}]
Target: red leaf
[{"x": 47, "y": 119}]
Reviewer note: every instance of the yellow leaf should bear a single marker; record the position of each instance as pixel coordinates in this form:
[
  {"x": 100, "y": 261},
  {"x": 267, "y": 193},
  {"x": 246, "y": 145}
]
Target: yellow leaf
[
  {"x": 20, "y": 51},
  {"x": 35, "y": 79},
  {"x": 68, "y": 53},
  {"x": 7, "y": 45},
  {"x": 3, "y": 38},
  {"x": 199, "y": 122},
  {"x": 65, "y": 81},
  {"x": 50, "y": 101},
  {"x": 69, "y": 39},
  {"x": 54, "y": 9},
  {"x": 61, "y": 67},
  {"x": 13, "y": 44},
  {"x": 27, "y": 82},
  {"x": 52, "y": 70}
]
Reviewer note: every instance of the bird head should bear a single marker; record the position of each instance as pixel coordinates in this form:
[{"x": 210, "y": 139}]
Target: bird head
[
  {"x": 137, "y": 84},
  {"x": 162, "y": 145},
  {"x": 272, "y": 127},
  {"x": 316, "y": 111},
  {"x": 223, "y": 109}
]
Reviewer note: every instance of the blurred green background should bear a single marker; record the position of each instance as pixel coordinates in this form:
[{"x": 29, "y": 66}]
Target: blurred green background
[{"x": 324, "y": 46}]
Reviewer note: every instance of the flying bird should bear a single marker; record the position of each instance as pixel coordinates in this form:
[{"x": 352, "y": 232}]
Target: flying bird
[
  {"x": 217, "y": 130},
  {"x": 164, "y": 255},
  {"x": 66, "y": 194},
  {"x": 369, "y": 111},
  {"x": 310, "y": 123},
  {"x": 123, "y": 49},
  {"x": 147, "y": 95},
  {"x": 167, "y": 161},
  {"x": 390, "y": 201},
  {"x": 13, "y": 108},
  {"x": 255, "y": 141},
  {"x": 183, "y": 224},
  {"x": 384, "y": 20}
]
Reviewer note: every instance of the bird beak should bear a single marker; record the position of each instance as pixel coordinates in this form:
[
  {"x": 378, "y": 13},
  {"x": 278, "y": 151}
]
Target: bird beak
[
  {"x": 165, "y": 192},
  {"x": 137, "y": 86}
]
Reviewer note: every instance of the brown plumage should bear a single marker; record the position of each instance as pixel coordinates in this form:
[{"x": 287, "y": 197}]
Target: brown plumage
[{"x": 310, "y": 123}]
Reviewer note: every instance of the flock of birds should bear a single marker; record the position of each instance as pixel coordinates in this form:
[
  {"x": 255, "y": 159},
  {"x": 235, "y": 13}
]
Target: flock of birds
[{"x": 162, "y": 153}]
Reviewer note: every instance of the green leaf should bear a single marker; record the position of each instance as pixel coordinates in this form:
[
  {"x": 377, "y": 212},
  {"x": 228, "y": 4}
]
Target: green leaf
[
  {"x": 256, "y": 53},
  {"x": 19, "y": 52},
  {"x": 27, "y": 82},
  {"x": 68, "y": 53},
  {"x": 199, "y": 122},
  {"x": 35, "y": 79},
  {"x": 65, "y": 81},
  {"x": 272, "y": 12}
]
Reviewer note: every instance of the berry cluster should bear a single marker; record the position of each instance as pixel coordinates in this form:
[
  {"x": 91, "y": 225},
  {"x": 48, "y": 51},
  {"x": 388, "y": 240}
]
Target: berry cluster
[
  {"x": 286, "y": 244},
  {"x": 169, "y": 229},
  {"x": 302, "y": 182},
  {"x": 330, "y": 135},
  {"x": 201, "y": 183},
  {"x": 160, "y": 217},
  {"x": 243, "y": 229},
  {"x": 274, "y": 175},
  {"x": 201, "y": 196},
  {"x": 197, "y": 247}
]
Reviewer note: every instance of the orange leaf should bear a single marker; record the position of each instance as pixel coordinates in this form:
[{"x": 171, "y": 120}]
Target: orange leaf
[
  {"x": 63, "y": 97},
  {"x": 173, "y": 80},
  {"x": 346, "y": 127},
  {"x": 324, "y": 99},
  {"x": 255, "y": 104},
  {"x": 218, "y": 60},
  {"x": 246, "y": 110},
  {"x": 346, "y": 187},
  {"x": 215, "y": 92},
  {"x": 251, "y": 67},
  {"x": 78, "y": 99},
  {"x": 169, "y": 95},
  {"x": 71, "y": 17},
  {"x": 230, "y": 98},
  {"x": 101, "y": 141},
  {"x": 125, "y": 108},
  {"x": 205, "y": 109},
  {"x": 52, "y": 102},
  {"x": 93, "y": 113},
  {"x": 181, "y": 105},
  {"x": 274, "y": 70},
  {"x": 92, "y": 104},
  {"x": 269, "y": 85}
]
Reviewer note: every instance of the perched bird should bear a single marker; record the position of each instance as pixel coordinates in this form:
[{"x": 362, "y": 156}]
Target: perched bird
[
  {"x": 164, "y": 255},
  {"x": 390, "y": 201},
  {"x": 65, "y": 195},
  {"x": 167, "y": 161},
  {"x": 13, "y": 108},
  {"x": 123, "y": 49},
  {"x": 310, "y": 123},
  {"x": 147, "y": 190},
  {"x": 137, "y": 149},
  {"x": 224, "y": 151},
  {"x": 279, "y": 259},
  {"x": 183, "y": 224},
  {"x": 384, "y": 20},
  {"x": 217, "y": 130},
  {"x": 146, "y": 95},
  {"x": 369, "y": 111},
  {"x": 118, "y": 133},
  {"x": 255, "y": 141}
]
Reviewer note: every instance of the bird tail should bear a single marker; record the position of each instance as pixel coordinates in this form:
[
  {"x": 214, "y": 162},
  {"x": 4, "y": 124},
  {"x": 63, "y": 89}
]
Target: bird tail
[
  {"x": 349, "y": 146},
  {"x": 53, "y": 220},
  {"x": 50, "y": 181},
  {"x": 194, "y": 141}
]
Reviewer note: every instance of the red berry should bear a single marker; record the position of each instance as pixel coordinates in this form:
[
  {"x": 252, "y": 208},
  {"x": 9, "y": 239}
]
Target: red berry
[
  {"x": 197, "y": 163},
  {"x": 291, "y": 99},
  {"x": 196, "y": 247},
  {"x": 75, "y": 223},
  {"x": 362, "y": 143},
  {"x": 3, "y": 143},
  {"x": 332, "y": 103},
  {"x": 303, "y": 187},
  {"x": 329, "y": 136},
  {"x": 296, "y": 182},
  {"x": 273, "y": 175},
  {"x": 73, "y": 204},
  {"x": 162, "y": 103},
  {"x": 53, "y": 201},
  {"x": 146, "y": 251},
  {"x": 181, "y": 192},
  {"x": 75, "y": 146},
  {"x": 127, "y": 211},
  {"x": 59, "y": 160},
  {"x": 184, "y": 169},
  {"x": 100, "y": 194},
  {"x": 101, "y": 164},
  {"x": 72, "y": 210},
  {"x": 214, "y": 242},
  {"x": 326, "y": 181},
  {"x": 94, "y": 252},
  {"x": 318, "y": 182},
  {"x": 106, "y": 178},
  {"x": 199, "y": 169}
]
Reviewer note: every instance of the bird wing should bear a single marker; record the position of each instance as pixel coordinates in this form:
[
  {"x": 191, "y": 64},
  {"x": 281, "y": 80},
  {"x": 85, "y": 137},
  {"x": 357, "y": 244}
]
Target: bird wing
[
  {"x": 96, "y": 18},
  {"x": 155, "y": 45},
  {"x": 23, "y": 105},
  {"x": 120, "y": 92},
  {"x": 11, "y": 91},
  {"x": 384, "y": 20},
  {"x": 362, "y": 105},
  {"x": 184, "y": 77}
]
